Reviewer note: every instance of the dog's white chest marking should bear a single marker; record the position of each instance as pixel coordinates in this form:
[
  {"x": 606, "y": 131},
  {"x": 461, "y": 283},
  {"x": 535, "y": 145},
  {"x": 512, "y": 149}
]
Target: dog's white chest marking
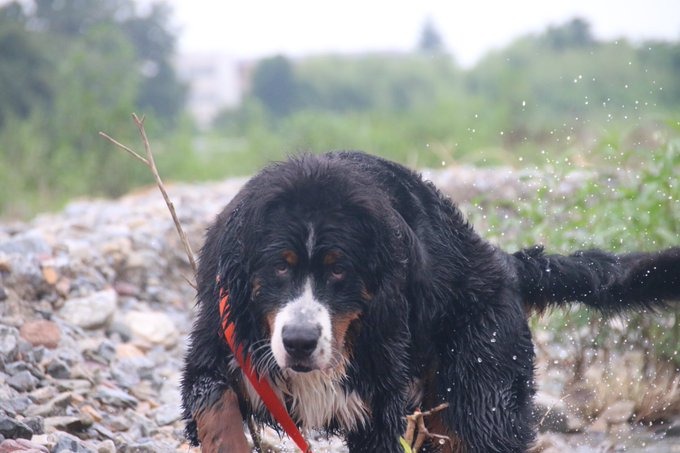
[{"x": 317, "y": 398}]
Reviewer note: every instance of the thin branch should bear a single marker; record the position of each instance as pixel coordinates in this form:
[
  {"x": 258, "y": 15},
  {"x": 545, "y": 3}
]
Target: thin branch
[
  {"x": 151, "y": 163},
  {"x": 551, "y": 408},
  {"x": 124, "y": 148},
  {"x": 416, "y": 422}
]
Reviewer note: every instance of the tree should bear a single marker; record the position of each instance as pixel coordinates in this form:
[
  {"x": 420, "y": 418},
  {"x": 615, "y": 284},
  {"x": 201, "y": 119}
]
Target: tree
[
  {"x": 33, "y": 36},
  {"x": 275, "y": 86},
  {"x": 161, "y": 92},
  {"x": 69, "y": 69},
  {"x": 430, "y": 39},
  {"x": 24, "y": 69},
  {"x": 574, "y": 34}
]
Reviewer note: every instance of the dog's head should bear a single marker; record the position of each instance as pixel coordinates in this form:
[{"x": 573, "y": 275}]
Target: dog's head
[{"x": 305, "y": 251}]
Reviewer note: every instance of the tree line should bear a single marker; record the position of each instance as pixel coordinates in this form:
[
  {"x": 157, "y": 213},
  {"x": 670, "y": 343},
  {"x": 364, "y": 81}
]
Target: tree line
[
  {"x": 71, "y": 68},
  {"x": 558, "y": 89}
]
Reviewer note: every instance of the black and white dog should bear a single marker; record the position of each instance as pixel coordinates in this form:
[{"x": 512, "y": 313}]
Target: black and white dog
[{"x": 361, "y": 293}]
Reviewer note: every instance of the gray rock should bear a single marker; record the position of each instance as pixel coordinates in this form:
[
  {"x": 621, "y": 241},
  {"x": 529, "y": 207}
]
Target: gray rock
[
  {"x": 90, "y": 312},
  {"x": 115, "y": 397},
  {"x": 28, "y": 243},
  {"x": 71, "y": 444},
  {"x": 73, "y": 385},
  {"x": 23, "y": 381},
  {"x": 146, "y": 446},
  {"x": 106, "y": 446},
  {"x": 167, "y": 414},
  {"x": 103, "y": 431},
  {"x": 25, "y": 277},
  {"x": 672, "y": 430},
  {"x": 69, "y": 423},
  {"x": 58, "y": 369},
  {"x": 36, "y": 424},
  {"x": 14, "y": 429},
  {"x": 43, "y": 394},
  {"x": 53, "y": 407},
  {"x": 118, "y": 423},
  {"x": 106, "y": 351},
  {"x": 135, "y": 368},
  {"x": 17, "y": 405},
  {"x": 15, "y": 367},
  {"x": 153, "y": 327},
  {"x": 9, "y": 339}
]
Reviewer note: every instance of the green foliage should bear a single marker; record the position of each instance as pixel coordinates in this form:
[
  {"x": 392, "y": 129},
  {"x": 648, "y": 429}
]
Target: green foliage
[
  {"x": 274, "y": 85},
  {"x": 68, "y": 70},
  {"x": 574, "y": 34},
  {"x": 160, "y": 93},
  {"x": 24, "y": 75},
  {"x": 614, "y": 210},
  {"x": 560, "y": 91}
]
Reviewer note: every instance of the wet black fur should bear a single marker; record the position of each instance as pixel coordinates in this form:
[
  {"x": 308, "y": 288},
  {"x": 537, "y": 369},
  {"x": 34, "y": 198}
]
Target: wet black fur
[{"x": 441, "y": 294}]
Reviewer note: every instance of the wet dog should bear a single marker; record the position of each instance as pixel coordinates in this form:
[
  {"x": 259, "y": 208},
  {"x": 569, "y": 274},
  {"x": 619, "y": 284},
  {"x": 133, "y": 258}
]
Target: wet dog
[{"x": 360, "y": 292}]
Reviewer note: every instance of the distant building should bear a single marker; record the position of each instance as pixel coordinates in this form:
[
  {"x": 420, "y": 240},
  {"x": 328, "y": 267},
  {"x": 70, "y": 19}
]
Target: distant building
[{"x": 215, "y": 82}]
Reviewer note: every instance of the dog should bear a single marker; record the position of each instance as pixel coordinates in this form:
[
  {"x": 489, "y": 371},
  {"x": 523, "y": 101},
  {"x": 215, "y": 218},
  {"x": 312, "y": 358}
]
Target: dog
[{"x": 360, "y": 293}]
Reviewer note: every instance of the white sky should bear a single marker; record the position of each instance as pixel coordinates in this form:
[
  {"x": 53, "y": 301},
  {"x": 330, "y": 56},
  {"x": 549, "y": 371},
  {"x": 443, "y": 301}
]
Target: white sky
[{"x": 254, "y": 28}]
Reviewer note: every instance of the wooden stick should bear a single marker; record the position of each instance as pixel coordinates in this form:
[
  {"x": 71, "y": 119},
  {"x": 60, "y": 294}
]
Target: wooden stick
[
  {"x": 151, "y": 163},
  {"x": 416, "y": 422}
]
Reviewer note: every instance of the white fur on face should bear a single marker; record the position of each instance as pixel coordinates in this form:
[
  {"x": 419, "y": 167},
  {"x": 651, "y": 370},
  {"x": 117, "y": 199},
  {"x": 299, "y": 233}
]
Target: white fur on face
[
  {"x": 304, "y": 309},
  {"x": 310, "y": 241}
]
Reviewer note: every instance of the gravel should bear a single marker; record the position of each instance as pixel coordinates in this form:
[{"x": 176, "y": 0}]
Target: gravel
[{"x": 95, "y": 308}]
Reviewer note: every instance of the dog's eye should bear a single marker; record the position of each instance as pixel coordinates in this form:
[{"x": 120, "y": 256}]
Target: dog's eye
[
  {"x": 337, "y": 272},
  {"x": 282, "y": 269}
]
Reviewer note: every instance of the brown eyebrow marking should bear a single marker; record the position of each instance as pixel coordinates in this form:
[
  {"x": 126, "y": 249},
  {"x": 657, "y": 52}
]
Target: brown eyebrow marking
[
  {"x": 331, "y": 258},
  {"x": 290, "y": 257}
]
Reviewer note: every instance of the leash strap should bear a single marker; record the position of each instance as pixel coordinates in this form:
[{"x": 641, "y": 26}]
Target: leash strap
[{"x": 261, "y": 386}]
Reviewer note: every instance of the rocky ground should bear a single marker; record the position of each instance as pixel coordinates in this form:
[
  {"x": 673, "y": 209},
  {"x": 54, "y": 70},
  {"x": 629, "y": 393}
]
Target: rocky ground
[{"x": 95, "y": 308}]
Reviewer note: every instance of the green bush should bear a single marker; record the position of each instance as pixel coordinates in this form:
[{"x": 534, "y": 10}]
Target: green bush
[{"x": 631, "y": 205}]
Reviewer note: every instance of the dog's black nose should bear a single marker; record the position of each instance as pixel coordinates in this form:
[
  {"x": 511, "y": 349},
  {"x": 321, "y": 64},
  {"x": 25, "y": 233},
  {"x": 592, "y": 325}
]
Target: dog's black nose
[{"x": 300, "y": 340}]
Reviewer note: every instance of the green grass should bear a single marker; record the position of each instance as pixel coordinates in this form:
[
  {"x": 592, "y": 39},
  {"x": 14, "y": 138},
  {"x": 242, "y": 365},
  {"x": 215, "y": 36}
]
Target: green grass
[{"x": 632, "y": 205}]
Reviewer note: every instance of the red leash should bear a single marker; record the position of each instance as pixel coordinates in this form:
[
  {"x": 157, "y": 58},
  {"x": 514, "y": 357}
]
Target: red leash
[{"x": 261, "y": 386}]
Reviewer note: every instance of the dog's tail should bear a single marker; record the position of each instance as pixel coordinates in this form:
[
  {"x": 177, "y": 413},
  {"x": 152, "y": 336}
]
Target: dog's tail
[{"x": 609, "y": 283}]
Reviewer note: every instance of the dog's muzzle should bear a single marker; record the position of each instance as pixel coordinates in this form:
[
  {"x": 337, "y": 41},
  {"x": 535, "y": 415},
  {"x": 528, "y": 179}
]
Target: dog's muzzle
[
  {"x": 301, "y": 337},
  {"x": 300, "y": 341}
]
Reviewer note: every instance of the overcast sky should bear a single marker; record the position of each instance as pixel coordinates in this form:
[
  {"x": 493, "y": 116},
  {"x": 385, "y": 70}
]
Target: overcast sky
[{"x": 255, "y": 28}]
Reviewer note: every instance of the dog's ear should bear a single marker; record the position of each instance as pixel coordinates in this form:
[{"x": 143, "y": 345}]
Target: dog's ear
[
  {"x": 223, "y": 266},
  {"x": 396, "y": 254},
  {"x": 389, "y": 259},
  {"x": 392, "y": 262}
]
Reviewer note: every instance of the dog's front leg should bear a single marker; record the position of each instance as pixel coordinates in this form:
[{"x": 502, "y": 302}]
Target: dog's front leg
[
  {"x": 382, "y": 433},
  {"x": 213, "y": 416},
  {"x": 220, "y": 426},
  {"x": 387, "y": 400}
]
